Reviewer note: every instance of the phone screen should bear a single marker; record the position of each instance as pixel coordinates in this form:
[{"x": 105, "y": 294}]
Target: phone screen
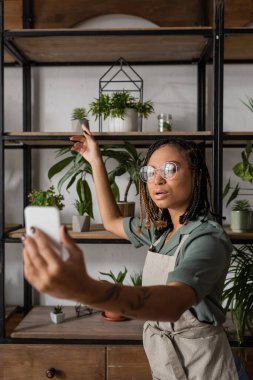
[{"x": 45, "y": 218}]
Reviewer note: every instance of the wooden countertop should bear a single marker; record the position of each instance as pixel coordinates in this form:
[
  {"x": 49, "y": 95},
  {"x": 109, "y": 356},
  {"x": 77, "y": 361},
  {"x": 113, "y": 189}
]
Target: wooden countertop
[{"x": 37, "y": 324}]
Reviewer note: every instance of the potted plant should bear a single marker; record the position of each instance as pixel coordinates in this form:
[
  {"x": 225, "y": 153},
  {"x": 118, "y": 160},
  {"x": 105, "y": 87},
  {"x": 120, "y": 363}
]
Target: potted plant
[
  {"x": 57, "y": 315},
  {"x": 122, "y": 110},
  {"x": 77, "y": 169},
  {"x": 130, "y": 162},
  {"x": 78, "y": 117},
  {"x": 136, "y": 279},
  {"x": 241, "y": 216},
  {"x": 238, "y": 291},
  {"x": 46, "y": 198},
  {"x": 243, "y": 170},
  {"x": 83, "y": 205},
  {"x": 117, "y": 279}
]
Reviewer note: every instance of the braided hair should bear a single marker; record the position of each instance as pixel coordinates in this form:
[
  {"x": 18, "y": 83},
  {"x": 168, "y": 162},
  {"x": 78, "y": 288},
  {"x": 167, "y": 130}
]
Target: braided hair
[{"x": 199, "y": 204}]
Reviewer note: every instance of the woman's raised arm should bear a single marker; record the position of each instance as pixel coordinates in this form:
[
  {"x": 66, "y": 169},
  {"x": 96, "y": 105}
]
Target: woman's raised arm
[{"x": 87, "y": 146}]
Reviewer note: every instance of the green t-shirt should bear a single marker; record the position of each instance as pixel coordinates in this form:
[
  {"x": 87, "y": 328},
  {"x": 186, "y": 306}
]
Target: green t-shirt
[{"x": 202, "y": 263}]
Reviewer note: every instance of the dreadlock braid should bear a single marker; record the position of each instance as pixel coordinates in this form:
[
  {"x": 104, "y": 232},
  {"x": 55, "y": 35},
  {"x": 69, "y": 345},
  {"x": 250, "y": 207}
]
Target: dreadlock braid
[{"x": 199, "y": 205}]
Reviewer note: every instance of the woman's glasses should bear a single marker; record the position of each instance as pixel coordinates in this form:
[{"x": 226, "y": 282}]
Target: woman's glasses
[{"x": 168, "y": 170}]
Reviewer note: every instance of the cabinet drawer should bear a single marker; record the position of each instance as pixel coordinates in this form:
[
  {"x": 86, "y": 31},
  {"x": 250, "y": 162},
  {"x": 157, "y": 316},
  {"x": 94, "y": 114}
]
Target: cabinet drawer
[
  {"x": 127, "y": 363},
  {"x": 75, "y": 362}
]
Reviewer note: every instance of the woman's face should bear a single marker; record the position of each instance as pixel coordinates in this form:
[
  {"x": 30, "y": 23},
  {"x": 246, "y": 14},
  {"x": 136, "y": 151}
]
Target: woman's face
[{"x": 175, "y": 193}]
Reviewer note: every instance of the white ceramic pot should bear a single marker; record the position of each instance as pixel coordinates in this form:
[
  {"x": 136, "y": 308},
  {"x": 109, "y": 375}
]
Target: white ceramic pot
[
  {"x": 80, "y": 223},
  {"x": 76, "y": 124},
  {"x": 129, "y": 123},
  {"x": 57, "y": 318},
  {"x": 242, "y": 221}
]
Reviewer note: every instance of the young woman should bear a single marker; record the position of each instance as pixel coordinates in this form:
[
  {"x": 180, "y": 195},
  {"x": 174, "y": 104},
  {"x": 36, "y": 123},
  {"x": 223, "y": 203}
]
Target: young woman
[{"x": 185, "y": 268}]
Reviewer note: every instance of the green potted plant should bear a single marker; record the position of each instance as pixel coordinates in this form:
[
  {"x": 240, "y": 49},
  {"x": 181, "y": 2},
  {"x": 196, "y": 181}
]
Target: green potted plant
[
  {"x": 78, "y": 117},
  {"x": 57, "y": 315},
  {"x": 122, "y": 110},
  {"x": 76, "y": 169},
  {"x": 75, "y": 166},
  {"x": 116, "y": 279},
  {"x": 129, "y": 161},
  {"x": 238, "y": 291},
  {"x": 46, "y": 198},
  {"x": 241, "y": 216},
  {"x": 83, "y": 206},
  {"x": 136, "y": 278},
  {"x": 243, "y": 170}
]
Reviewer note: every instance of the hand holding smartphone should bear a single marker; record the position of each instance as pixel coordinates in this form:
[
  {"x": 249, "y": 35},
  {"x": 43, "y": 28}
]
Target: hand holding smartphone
[{"x": 47, "y": 219}]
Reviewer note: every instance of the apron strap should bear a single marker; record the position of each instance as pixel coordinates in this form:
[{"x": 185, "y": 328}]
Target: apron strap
[
  {"x": 176, "y": 366},
  {"x": 173, "y": 259}
]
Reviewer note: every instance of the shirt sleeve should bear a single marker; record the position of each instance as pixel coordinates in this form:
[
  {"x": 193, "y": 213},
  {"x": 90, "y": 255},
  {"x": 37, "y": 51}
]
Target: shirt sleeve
[
  {"x": 137, "y": 236},
  {"x": 203, "y": 263}
]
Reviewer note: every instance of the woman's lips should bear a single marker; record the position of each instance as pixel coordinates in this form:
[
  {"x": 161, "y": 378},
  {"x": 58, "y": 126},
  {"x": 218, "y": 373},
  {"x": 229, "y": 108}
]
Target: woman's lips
[{"x": 160, "y": 194}]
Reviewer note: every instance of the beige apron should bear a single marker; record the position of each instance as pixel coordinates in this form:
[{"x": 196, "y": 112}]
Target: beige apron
[{"x": 187, "y": 349}]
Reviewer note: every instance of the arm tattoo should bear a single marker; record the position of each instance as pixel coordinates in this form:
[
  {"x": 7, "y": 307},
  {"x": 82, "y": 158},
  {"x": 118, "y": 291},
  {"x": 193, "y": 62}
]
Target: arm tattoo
[
  {"x": 142, "y": 297},
  {"x": 113, "y": 292}
]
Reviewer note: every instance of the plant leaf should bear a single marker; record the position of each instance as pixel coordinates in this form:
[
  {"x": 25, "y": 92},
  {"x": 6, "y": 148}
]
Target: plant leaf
[
  {"x": 59, "y": 166},
  {"x": 233, "y": 195}
]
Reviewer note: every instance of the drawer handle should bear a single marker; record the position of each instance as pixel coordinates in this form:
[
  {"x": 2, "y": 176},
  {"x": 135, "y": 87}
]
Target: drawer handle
[{"x": 51, "y": 372}]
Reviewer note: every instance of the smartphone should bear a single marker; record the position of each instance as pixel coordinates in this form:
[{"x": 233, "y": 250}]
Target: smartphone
[{"x": 47, "y": 219}]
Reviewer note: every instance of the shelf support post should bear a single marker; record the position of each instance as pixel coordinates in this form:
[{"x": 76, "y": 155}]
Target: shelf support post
[
  {"x": 2, "y": 168},
  {"x": 218, "y": 71},
  {"x": 27, "y": 151}
]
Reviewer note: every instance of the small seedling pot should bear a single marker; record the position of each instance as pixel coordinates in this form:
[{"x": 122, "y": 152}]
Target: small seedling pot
[{"x": 57, "y": 318}]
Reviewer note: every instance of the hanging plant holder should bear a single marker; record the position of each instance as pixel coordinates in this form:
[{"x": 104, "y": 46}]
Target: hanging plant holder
[{"x": 121, "y": 77}]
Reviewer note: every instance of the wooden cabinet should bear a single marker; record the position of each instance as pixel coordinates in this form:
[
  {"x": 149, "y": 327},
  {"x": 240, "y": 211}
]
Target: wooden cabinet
[
  {"x": 75, "y": 362},
  {"x": 127, "y": 362},
  {"x": 39, "y": 362},
  {"x": 87, "y": 348}
]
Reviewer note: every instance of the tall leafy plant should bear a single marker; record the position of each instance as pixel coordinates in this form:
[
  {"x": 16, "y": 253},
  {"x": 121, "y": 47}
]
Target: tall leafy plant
[
  {"x": 238, "y": 290},
  {"x": 76, "y": 169},
  {"x": 243, "y": 170},
  {"x": 129, "y": 161}
]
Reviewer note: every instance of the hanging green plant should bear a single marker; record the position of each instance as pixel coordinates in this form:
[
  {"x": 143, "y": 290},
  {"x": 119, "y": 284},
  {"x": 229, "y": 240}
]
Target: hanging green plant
[{"x": 116, "y": 104}]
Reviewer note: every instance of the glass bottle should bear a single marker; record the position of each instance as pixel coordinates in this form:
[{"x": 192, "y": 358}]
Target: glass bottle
[{"x": 164, "y": 122}]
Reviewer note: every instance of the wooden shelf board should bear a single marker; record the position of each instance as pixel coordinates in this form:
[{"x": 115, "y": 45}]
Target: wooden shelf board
[
  {"x": 135, "y": 45},
  {"x": 238, "y": 235},
  {"x": 238, "y": 47},
  {"x": 37, "y": 324},
  {"x": 96, "y": 232},
  {"x": 62, "y": 138},
  {"x": 10, "y": 310}
]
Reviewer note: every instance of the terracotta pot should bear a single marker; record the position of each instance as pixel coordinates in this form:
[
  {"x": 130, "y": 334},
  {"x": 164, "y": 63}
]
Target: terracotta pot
[{"x": 111, "y": 316}]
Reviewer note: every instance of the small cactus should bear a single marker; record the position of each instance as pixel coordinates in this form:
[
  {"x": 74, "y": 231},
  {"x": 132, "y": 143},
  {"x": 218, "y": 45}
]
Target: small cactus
[{"x": 58, "y": 309}]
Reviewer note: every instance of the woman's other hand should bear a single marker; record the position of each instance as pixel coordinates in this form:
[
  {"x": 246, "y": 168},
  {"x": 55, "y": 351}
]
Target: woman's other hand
[
  {"x": 48, "y": 272},
  {"x": 87, "y": 146}
]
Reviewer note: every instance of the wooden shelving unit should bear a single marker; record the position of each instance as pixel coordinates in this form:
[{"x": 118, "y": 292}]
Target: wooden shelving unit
[{"x": 183, "y": 35}]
